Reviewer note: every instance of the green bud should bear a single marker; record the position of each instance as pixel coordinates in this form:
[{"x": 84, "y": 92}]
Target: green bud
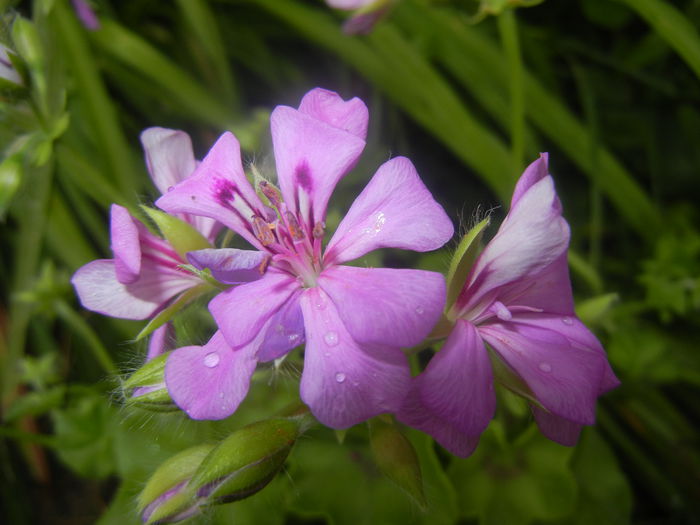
[
  {"x": 181, "y": 235},
  {"x": 11, "y": 173},
  {"x": 172, "y": 309},
  {"x": 166, "y": 498},
  {"x": 247, "y": 460},
  {"x": 396, "y": 458},
  {"x": 146, "y": 389}
]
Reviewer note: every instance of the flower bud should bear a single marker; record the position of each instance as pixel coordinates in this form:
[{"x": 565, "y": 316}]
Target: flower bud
[
  {"x": 167, "y": 497},
  {"x": 247, "y": 460},
  {"x": 146, "y": 387},
  {"x": 396, "y": 458}
]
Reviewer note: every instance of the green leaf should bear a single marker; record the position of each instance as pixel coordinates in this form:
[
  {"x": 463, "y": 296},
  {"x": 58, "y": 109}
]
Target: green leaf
[
  {"x": 11, "y": 174},
  {"x": 168, "y": 313},
  {"x": 182, "y": 236},
  {"x": 35, "y": 403},
  {"x": 593, "y": 310}
]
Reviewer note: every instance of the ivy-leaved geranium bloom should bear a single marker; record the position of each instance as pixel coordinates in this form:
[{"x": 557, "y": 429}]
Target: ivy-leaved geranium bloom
[
  {"x": 354, "y": 320},
  {"x": 145, "y": 273},
  {"x": 515, "y": 318}
]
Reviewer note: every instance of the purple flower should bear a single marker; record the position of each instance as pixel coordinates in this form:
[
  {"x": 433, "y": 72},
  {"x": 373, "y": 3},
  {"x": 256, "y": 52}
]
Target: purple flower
[
  {"x": 7, "y": 68},
  {"x": 354, "y": 320},
  {"x": 515, "y": 319},
  {"x": 145, "y": 273},
  {"x": 366, "y": 13},
  {"x": 86, "y": 15}
]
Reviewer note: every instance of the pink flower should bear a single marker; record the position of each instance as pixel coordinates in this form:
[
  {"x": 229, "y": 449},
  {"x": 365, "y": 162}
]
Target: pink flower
[
  {"x": 515, "y": 311},
  {"x": 145, "y": 273},
  {"x": 354, "y": 320},
  {"x": 366, "y": 13}
]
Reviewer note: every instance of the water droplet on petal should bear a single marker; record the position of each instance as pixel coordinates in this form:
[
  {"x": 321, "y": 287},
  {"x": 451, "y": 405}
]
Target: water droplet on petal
[
  {"x": 293, "y": 338},
  {"x": 420, "y": 310},
  {"x": 211, "y": 360},
  {"x": 171, "y": 188},
  {"x": 545, "y": 367},
  {"x": 340, "y": 377},
  {"x": 320, "y": 303},
  {"x": 331, "y": 338},
  {"x": 567, "y": 320}
]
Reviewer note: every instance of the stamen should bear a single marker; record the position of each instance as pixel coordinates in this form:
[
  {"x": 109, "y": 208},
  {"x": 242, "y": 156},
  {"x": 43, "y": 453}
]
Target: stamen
[
  {"x": 272, "y": 193},
  {"x": 293, "y": 225},
  {"x": 264, "y": 264},
  {"x": 318, "y": 230},
  {"x": 262, "y": 231}
]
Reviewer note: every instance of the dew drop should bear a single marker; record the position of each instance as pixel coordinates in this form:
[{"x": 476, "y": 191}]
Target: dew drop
[
  {"x": 340, "y": 377},
  {"x": 567, "y": 320},
  {"x": 420, "y": 310},
  {"x": 171, "y": 188},
  {"x": 211, "y": 360},
  {"x": 331, "y": 338},
  {"x": 320, "y": 303},
  {"x": 293, "y": 338},
  {"x": 545, "y": 367}
]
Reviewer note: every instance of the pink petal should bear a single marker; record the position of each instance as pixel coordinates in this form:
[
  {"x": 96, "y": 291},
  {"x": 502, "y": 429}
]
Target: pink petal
[
  {"x": 453, "y": 400},
  {"x": 241, "y": 312},
  {"x": 169, "y": 156},
  {"x": 345, "y": 383},
  {"x": 535, "y": 172},
  {"x": 557, "y": 428},
  {"x": 126, "y": 246},
  {"x": 311, "y": 157},
  {"x": 564, "y": 378},
  {"x": 218, "y": 189},
  {"x": 210, "y": 381},
  {"x": 161, "y": 340},
  {"x": 351, "y": 115},
  {"x": 395, "y": 210},
  {"x": 384, "y": 305},
  {"x": 532, "y": 236},
  {"x": 283, "y": 331},
  {"x": 349, "y": 4},
  {"x": 229, "y": 265},
  {"x": 99, "y": 290}
]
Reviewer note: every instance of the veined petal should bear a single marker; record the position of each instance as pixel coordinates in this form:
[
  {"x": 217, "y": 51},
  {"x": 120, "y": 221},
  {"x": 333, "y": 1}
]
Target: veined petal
[
  {"x": 241, "y": 312},
  {"x": 345, "y": 383},
  {"x": 395, "y": 210},
  {"x": 532, "y": 236},
  {"x": 580, "y": 338},
  {"x": 210, "y": 381},
  {"x": 218, "y": 189},
  {"x": 453, "y": 399},
  {"x": 229, "y": 265},
  {"x": 169, "y": 156},
  {"x": 311, "y": 157},
  {"x": 99, "y": 290},
  {"x": 126, "y": 246},
  {"x": 564, "y": 379},
  {"x": 557, "y": 428},
  {"x": 383, "y": 305},
  {"x": 351, "y": 115},
  {"x": 283, "y": 331},
  {"x": 160, "y": 341}
]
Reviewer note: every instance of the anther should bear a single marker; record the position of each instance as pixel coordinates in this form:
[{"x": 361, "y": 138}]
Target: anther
[
  {"x": 271, "y": 192},
  {"x": 264, "y": 264},
  {"x": 262, "y": 231},
  {"x": 294, "y": 229},
  {"x": 318, "y": 230}
]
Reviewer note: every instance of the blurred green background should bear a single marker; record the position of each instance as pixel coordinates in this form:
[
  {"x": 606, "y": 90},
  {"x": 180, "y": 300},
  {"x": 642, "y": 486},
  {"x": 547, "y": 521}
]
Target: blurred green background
[{"x": 471, "y": 92}]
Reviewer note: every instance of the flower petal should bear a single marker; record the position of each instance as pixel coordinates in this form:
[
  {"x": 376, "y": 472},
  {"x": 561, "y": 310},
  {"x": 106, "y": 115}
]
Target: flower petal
[
  {"x": 395, "y": 210},
  {"x": 210, "y": 381},
  {"x": 169, "y": 156},
  {"x": 532, "y": 236},
  {"x": 351, "y": 115},
  {"x": 126, "y": 246},
  {"x": 557, "y": 428},
  {"x": 160, "y": 341},
  {"x": 564, "y": 378},
  {"x": 229, "y": 265},
  {"x": 219, "y": 189},
  {"x": 283, "y": 331},
  {"x": 241, "y": 312},
  {"x": 535, "y": 172},
  {"x": 99, "y": 290},
  {"x": 453, "y": 399},
  {"x": 311, "y": 157},
  {"x": 344, "y": 383},
  {"x": 384, "y": 305}
]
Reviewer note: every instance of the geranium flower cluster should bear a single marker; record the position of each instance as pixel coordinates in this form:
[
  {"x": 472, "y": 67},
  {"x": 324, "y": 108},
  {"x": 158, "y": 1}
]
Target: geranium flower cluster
[{"x": 293, "y": 288}]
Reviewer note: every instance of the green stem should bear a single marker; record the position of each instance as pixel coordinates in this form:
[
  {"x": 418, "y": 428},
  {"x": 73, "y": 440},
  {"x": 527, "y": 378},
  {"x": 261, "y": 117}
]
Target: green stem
[{"x": 508, "y": 29}]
